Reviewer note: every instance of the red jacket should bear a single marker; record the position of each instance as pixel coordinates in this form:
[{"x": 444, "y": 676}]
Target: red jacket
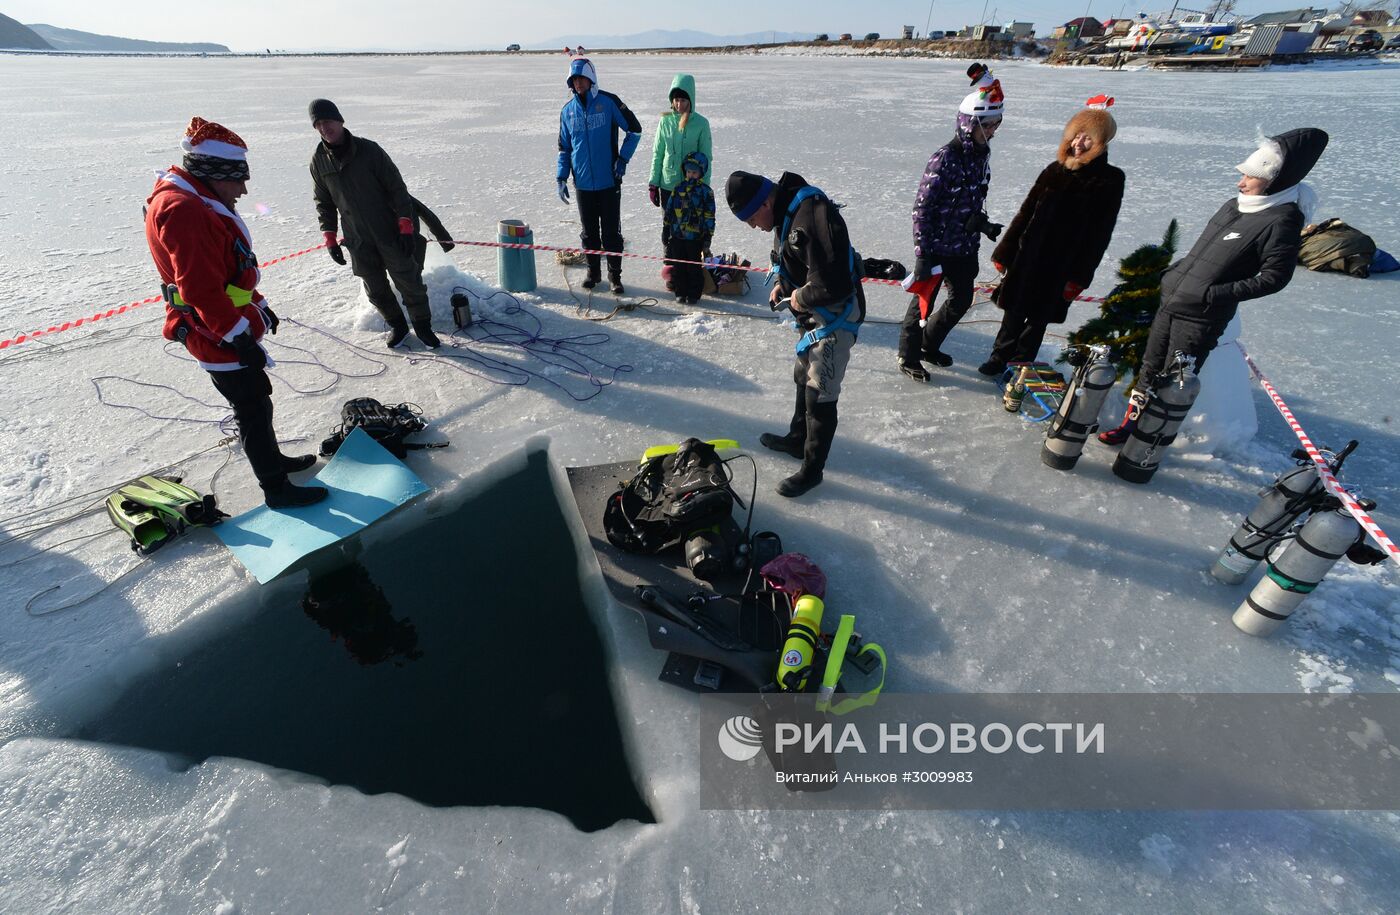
[{"x": 201, "y": 247}]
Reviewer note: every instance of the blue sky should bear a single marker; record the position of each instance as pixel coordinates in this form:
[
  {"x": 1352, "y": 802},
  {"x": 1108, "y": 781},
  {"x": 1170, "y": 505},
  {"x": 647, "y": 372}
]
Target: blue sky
[{"x": 440, "y": 24}]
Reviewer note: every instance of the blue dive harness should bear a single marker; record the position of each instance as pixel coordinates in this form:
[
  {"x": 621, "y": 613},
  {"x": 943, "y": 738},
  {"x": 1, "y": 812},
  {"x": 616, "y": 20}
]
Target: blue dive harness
[{"x": 832, "y": 319}]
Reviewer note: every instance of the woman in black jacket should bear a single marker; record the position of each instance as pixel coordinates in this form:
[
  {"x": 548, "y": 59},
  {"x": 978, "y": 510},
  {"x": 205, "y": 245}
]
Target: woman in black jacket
[
  {"x": 1058, "y": 237},
  {"x": 1248, "y": 250}
]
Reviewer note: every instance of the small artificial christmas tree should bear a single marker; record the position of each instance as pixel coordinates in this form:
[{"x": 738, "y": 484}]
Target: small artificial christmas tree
[{"x": 1126, "y": 315}]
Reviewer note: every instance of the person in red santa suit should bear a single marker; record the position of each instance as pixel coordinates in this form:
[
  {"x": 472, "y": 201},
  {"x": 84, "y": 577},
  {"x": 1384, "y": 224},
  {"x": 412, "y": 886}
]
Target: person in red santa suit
[{"x": 209, "y": 276}]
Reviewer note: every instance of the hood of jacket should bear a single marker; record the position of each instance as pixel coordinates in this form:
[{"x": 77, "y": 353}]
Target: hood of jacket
[
  {"x": 686, "y": 83},
  {"x": 1100, "y": 127},
  {"x": 582, "y": 66},
  {"x": 1301, "y": 150}
]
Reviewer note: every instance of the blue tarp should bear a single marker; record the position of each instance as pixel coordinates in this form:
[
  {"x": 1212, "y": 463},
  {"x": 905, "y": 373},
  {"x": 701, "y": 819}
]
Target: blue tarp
[{"x": 365, "y": 482}]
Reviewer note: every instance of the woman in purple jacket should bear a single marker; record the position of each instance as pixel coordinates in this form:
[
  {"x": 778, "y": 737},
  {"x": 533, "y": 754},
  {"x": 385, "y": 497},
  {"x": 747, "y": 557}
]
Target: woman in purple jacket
[{"x": 948, "y": 216}]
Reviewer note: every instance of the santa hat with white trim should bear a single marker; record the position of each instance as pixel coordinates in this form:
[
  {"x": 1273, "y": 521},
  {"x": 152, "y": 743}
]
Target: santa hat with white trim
[{"x": 214, "y": 152}]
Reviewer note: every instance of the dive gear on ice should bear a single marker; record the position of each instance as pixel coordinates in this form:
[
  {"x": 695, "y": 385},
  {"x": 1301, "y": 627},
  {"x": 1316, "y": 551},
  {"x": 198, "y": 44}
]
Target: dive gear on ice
[
  {"x": 175, "y": 503},
  {"x": 147, "y": 531}
]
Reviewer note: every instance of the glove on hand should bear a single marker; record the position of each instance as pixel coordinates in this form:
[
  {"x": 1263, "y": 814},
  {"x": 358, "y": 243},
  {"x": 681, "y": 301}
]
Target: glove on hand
[
  {"x": 250, "y": 355},
  {"x": 563, "y": 190},
  {"x": 1072, "y": 290},
  {"x": 270, "y": 318},
  {"x": 406, "y": 235},
  {"x": 333, "y": 248},
  {"x": 654, "y": 193},
  {"x": 978, "y": 222},
  {"x": 447, "y": 244}
]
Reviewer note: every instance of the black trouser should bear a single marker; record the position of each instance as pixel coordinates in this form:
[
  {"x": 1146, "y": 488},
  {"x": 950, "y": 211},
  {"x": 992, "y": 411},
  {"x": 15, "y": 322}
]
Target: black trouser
[
  {"x": 686, "y": 279},
  {"x": 600, "y": 212},
  {"x": 665, "y": 229},
  {"x": 371, "y": 262},
  {"x": 1019, "y": 338},
  {"x": 1170, "y": 333},
  {"x": 249, "y": 392},
  {"x": 959, "y": 273}
]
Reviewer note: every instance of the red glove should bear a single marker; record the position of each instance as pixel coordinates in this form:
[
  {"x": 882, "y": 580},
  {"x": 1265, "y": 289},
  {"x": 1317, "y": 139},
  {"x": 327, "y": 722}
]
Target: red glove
[
  {"x": 998, "y": 267},
  {"x": 333, "y": 248},
  {"x": 1072, "y": 290},
  {"x": 654, "y": 193}
]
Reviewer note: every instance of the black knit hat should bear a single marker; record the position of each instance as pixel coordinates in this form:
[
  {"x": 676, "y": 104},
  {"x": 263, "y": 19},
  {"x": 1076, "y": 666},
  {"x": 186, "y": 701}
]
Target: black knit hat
[
  {"x": 745, "y": 193},
  {"x": 323, "y": 109}
]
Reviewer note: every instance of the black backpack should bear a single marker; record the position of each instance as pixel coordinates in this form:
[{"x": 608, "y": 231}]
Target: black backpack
[
  {"x": 388, "y": 426},
  {"x": 671, "y": 496}
]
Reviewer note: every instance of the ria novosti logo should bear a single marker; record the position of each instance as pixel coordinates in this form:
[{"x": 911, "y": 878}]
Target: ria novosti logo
[{"x": 740, "y": 738}]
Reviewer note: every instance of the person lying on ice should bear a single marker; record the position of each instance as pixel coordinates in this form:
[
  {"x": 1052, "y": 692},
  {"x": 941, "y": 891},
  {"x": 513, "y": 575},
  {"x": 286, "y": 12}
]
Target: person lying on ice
[
  {"x": 209, "y": 276},
  {"x": 817, "y": 276},
  {"x": 948, "y": 218},
  {"x": 1248, "y": 250}
]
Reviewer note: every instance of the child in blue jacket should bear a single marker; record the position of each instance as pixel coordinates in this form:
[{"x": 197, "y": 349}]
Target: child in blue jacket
[{"x": 690, "y": 219}]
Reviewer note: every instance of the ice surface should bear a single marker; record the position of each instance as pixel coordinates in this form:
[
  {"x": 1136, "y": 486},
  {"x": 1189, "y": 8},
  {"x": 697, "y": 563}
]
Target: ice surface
[{"x": 978, "y": 568}]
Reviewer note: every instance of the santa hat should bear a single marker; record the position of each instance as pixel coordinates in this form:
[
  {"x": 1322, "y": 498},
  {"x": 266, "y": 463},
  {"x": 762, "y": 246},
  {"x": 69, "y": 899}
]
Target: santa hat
[
  {"x": 205, "y": 138},
  {"x": 985, "y": 101}
]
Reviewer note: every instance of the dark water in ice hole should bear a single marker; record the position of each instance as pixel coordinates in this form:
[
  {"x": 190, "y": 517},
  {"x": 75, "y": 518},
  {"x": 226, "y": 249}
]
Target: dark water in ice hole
[{"x": 455, "y": 664}]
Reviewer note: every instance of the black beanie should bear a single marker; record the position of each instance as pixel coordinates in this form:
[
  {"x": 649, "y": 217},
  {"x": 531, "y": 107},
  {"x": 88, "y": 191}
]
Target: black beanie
[
  {"x": 323, "y": 109},
  {"x": 745, "y": 193}
]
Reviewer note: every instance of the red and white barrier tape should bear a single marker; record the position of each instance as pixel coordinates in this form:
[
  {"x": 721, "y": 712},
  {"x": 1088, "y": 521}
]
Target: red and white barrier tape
[
  {"x": 123, "y": 309},
  {"x": 1328, "y": 480},
  {"x": 113, "y": 312},
  {"x": 676, "y": 260}
]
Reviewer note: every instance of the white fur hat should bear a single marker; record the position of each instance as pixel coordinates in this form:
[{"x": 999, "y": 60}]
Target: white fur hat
[{"x": 1265, "y": 162}]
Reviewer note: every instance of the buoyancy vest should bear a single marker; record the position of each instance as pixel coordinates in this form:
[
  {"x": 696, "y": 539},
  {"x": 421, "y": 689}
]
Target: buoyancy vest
[{"x": 845, "y": 316}]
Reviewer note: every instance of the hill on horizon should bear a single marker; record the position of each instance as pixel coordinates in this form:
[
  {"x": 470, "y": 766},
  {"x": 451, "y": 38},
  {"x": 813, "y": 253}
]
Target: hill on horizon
[
  {"x": 75, "y": 40},
  {"x": 17, "y": 35}
]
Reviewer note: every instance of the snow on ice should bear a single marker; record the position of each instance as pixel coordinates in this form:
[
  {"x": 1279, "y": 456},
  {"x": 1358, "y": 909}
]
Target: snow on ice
[{"x": 978, "y": 568}]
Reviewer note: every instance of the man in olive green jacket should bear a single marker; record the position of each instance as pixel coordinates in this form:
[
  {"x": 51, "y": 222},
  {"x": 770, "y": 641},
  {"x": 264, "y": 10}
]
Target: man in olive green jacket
[
  {"x": 358, "y": 185},
  {"x": 680, "y": 132}
]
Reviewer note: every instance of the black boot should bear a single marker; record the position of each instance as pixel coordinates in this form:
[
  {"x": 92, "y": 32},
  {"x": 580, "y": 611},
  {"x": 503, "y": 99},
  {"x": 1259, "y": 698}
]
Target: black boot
[
  {"x": 616, "y": 280},
  {"x": 424, "y": 331},
  {"x": 290, "y": 495},
  {"x": 595, "y": 271},
  {"x": 795, "y": 440},
  {"x": 297, "y": 464},
  {"x": 397, "y": 334},
  {"x": 821, "y": 431}
]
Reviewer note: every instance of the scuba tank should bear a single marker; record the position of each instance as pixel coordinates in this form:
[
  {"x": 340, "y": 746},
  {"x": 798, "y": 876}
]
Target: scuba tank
[
  {"x": 1298, "y": 569},
  {"x": 1292, "y": 494},
  {"x": 800, "y": 649},
  {"x": 1078, "y": 416},
  {"x": 1170, "y": 400}
]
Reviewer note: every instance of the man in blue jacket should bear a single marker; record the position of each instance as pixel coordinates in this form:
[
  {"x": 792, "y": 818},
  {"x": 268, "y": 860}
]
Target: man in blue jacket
[{"x": 588, "y": 148}]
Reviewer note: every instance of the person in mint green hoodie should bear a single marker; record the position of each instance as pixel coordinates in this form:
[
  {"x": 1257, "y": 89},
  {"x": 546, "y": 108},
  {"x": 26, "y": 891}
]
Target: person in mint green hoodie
[{"x": 680, "y": 132}]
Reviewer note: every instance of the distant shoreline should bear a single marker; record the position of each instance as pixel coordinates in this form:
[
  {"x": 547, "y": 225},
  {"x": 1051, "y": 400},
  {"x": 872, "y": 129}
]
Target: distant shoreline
[{"x": 884, "y": 48}]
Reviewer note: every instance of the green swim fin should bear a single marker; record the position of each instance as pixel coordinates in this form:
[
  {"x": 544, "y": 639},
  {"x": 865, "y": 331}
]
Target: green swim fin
[
  {"x": 147, "y": 531},
  {"x": 173, "y": 501}
]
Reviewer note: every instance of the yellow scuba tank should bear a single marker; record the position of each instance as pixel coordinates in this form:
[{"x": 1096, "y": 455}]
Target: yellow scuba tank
[{"x": 800, "y": 649}]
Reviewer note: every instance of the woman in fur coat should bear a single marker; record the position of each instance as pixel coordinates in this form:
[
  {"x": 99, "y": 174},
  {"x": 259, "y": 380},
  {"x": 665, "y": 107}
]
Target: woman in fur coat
[{"x": 1055, "y": 243}]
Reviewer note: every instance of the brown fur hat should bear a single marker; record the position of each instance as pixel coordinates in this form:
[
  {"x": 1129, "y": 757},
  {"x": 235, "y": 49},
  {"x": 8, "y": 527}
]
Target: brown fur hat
[{"x": 1098, "y": 124}]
